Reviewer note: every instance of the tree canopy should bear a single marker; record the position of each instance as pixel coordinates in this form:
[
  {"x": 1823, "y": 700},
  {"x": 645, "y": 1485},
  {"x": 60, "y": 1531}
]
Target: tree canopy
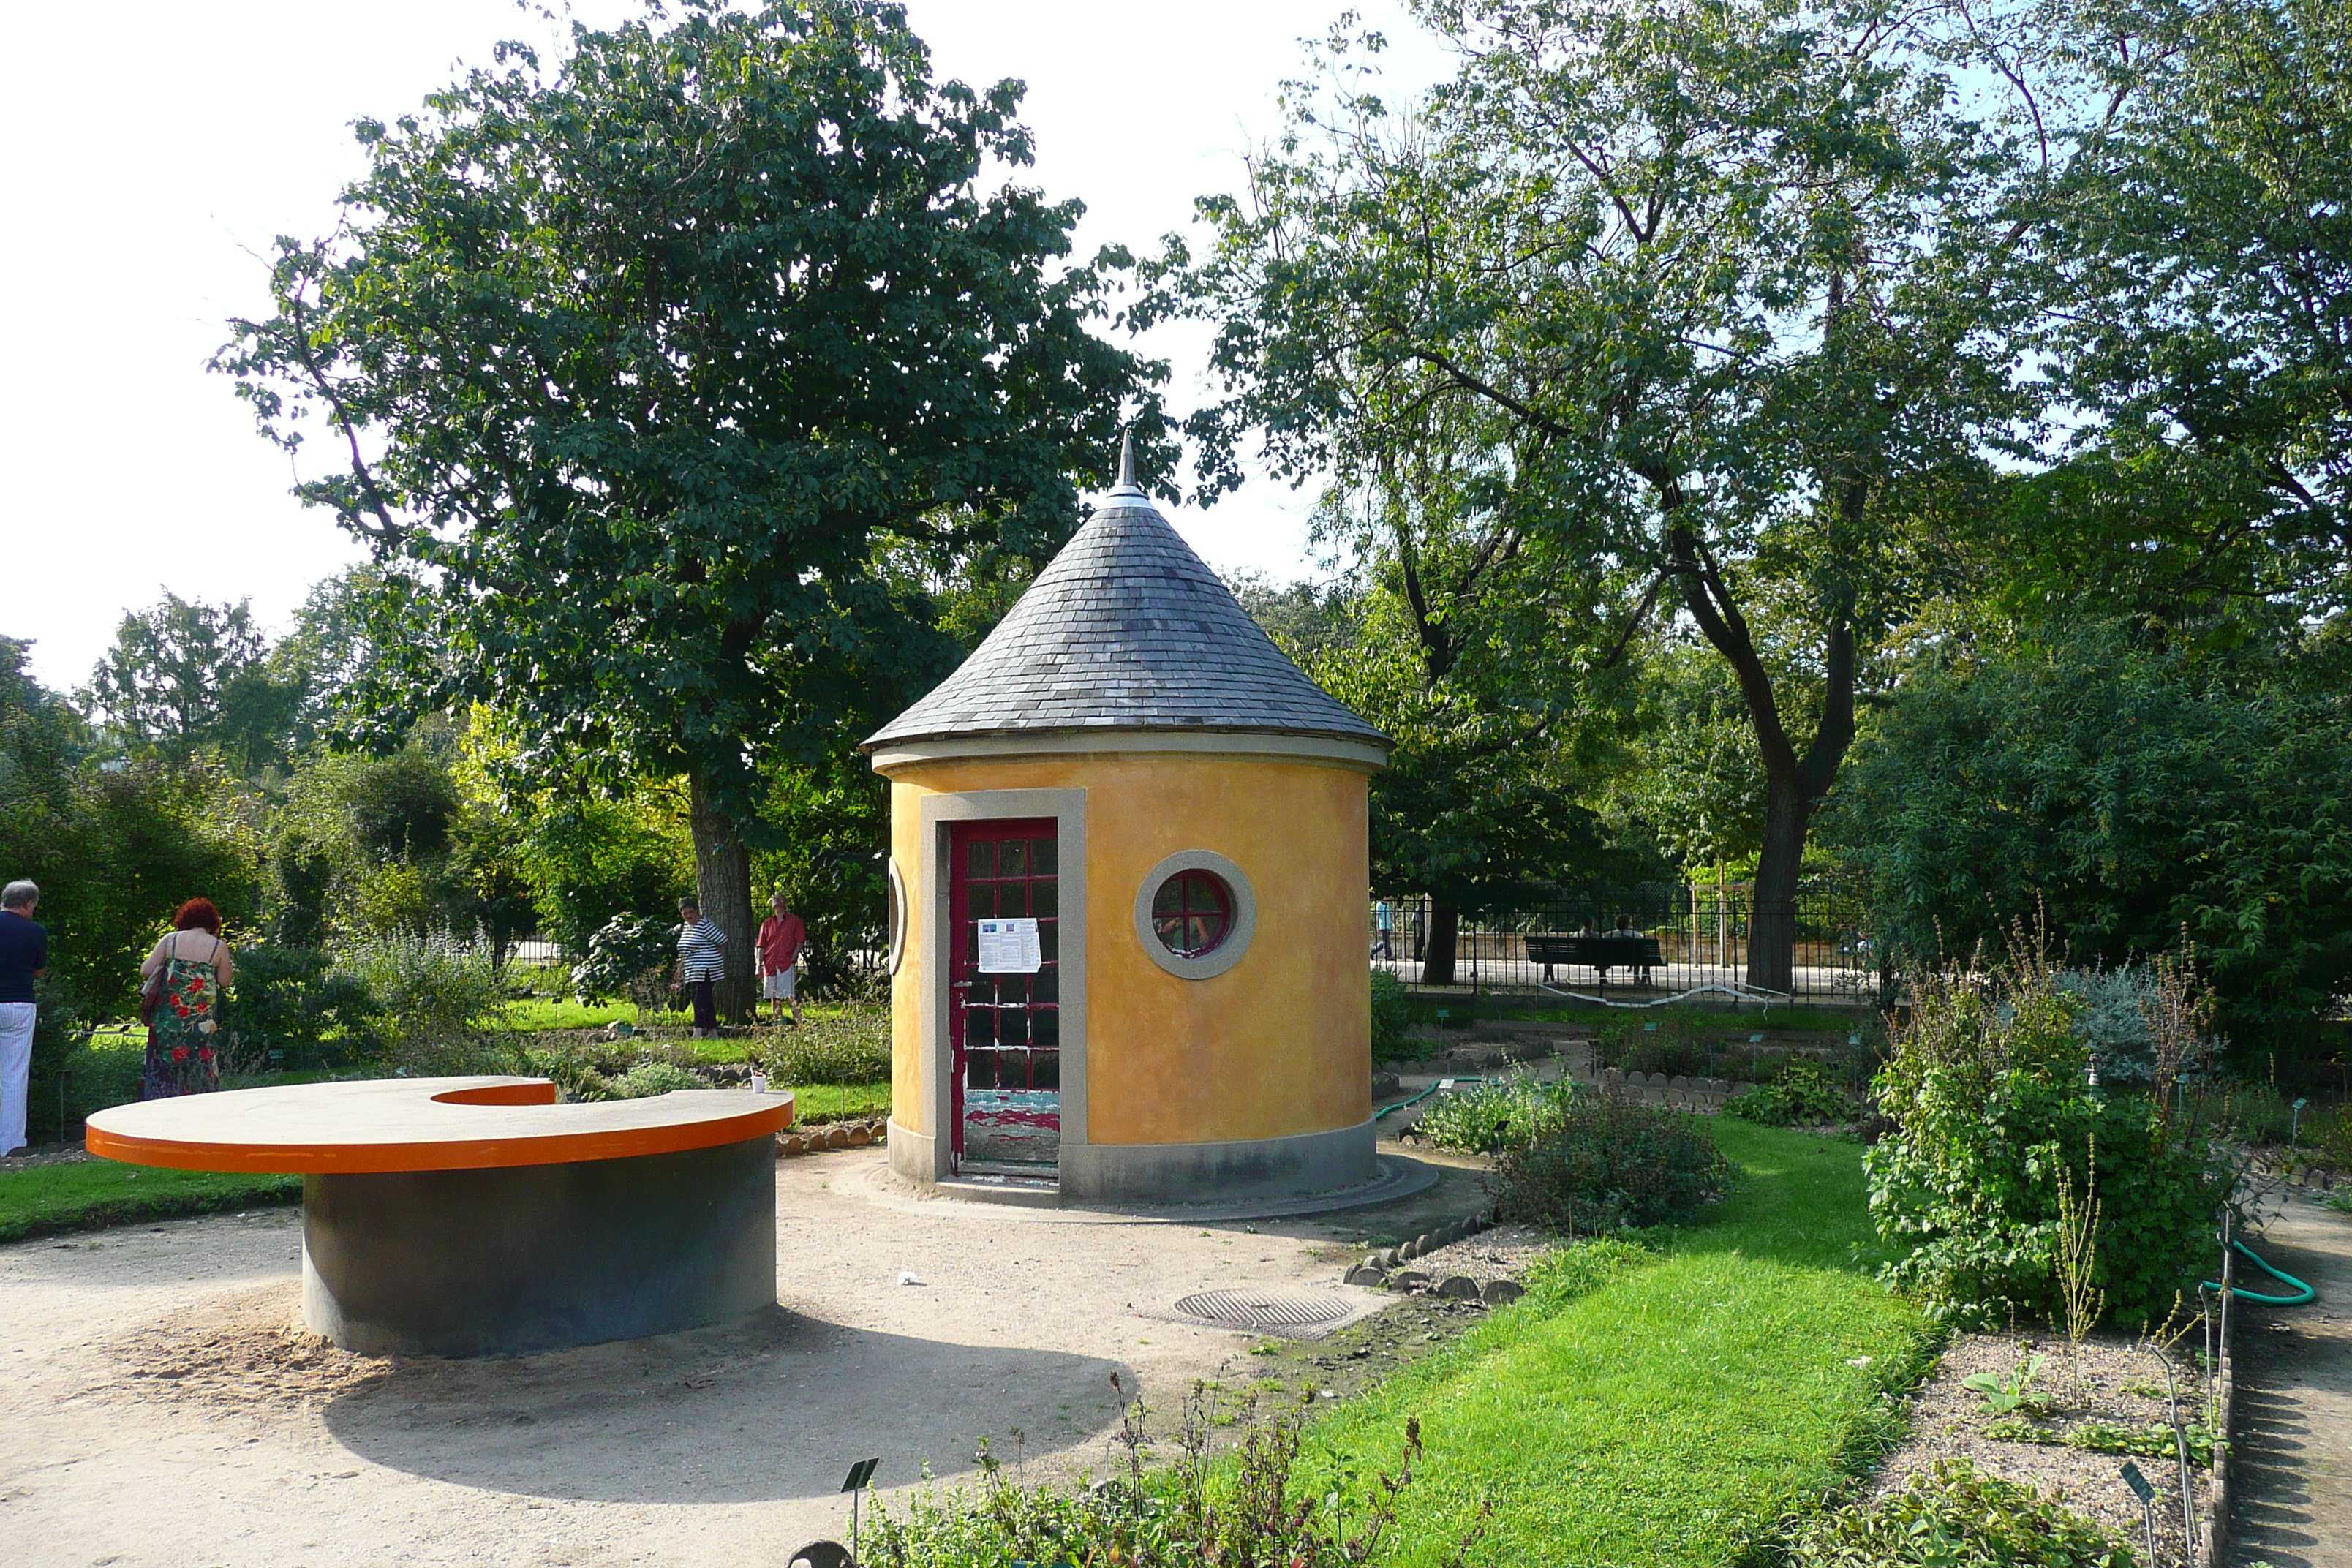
[
  {"x": 1730, "y": 289},
  {"x": 632, "y": 365}
]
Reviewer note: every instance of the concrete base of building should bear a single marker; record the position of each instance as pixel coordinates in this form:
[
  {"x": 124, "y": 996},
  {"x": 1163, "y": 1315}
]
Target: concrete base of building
[
  {"x": 1176, "y": 1174},
  {"x": 1295, "y": 1166},
  {"x": 522, "y": 1258}
]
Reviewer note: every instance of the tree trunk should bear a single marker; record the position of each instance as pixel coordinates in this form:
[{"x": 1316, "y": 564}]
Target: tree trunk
[
  {"x": 1772, "y": 930},
  {"x": 722, "y": 878},
  {"x": 1437, "y": 953}
]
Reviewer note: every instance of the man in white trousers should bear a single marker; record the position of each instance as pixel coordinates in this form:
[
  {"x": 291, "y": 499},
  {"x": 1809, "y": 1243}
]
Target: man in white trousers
[{"x": 24, "y": 958}]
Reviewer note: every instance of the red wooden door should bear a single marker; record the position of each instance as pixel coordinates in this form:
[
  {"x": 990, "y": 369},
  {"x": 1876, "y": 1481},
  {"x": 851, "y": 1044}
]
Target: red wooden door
[{"x": 1004, "y": 1030}]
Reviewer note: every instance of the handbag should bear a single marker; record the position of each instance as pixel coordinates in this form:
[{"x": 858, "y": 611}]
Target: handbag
[{"x": 151, "y": 993}]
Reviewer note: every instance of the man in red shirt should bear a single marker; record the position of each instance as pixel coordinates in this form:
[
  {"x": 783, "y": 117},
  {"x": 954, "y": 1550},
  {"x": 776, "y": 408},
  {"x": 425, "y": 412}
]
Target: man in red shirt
[{"x": 781, "y": 937}]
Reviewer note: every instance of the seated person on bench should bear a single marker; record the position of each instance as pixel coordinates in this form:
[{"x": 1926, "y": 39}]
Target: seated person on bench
[{"x": 1625, "y": 928}]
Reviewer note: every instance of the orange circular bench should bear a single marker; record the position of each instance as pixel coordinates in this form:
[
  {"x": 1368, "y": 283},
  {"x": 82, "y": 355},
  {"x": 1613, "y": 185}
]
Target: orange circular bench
[{"x": 479, "y": 1216}]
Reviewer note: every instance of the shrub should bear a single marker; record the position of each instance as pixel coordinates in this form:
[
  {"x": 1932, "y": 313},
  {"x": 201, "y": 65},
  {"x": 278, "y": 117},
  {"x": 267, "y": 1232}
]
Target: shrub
[
  {"x": 628, "y": 957},
  {"x": 1800, "y": 1093},
  {"x": 1492, "y": 1116},
  {"x": 1391, "y": 1015},
  {"x": 850, "y": 1046},
  {"x": 1990, "y": 1096},
  {"x": 427, "y": 989},
  {"x": 2332, "y": 1139},
  {"x": 1608, "y": 1164},
  {"x": 292, "y": 1000},
  {"x": 648, "y": 1079},
  {"x": 1955, "y": 1517}
]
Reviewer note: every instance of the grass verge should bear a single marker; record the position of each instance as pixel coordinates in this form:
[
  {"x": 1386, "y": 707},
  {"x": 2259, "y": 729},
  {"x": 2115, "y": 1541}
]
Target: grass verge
[
  {"x": 840, "y": 1102},
  {"x": 1667, "y": 1410},
  {"x": 51, "y": 1200}
]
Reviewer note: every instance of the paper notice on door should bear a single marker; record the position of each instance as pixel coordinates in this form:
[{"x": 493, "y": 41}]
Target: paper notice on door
[{"x": 1008, "y": 947}]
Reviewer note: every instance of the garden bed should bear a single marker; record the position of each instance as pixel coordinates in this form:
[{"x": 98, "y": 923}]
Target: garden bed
[{"x": 2122, "y": 1400}]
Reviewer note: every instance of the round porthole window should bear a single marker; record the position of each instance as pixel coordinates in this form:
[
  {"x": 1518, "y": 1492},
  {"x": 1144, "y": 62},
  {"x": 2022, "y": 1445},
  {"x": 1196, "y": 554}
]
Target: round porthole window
[
  {"x": 1195, "y": 914},
  {"x": 897, "y": 917},
  {"x": 1192, "y": 913}
]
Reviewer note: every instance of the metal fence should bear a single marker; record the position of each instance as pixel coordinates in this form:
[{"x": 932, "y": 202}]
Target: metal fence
[{"x": 1701, "y": 931}]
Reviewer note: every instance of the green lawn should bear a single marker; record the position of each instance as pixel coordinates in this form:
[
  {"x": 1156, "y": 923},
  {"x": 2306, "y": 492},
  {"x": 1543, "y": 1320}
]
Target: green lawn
[
  {"x": 90, "y": 1196},
  {"x": 1674, "y": 1410},
  {"x": 837, "y": 1103}
]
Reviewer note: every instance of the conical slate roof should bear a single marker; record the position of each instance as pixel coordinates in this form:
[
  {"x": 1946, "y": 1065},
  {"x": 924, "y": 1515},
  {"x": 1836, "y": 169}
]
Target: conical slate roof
[{"x": 1127, "y": 629}]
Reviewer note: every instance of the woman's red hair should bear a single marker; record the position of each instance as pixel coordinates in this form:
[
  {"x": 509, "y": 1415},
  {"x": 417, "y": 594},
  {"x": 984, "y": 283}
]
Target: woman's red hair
[{"x": 197, "y": 914}]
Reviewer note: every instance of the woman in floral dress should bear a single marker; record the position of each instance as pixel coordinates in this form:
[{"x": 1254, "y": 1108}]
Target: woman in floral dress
[{"x": 183, "y": 1042}]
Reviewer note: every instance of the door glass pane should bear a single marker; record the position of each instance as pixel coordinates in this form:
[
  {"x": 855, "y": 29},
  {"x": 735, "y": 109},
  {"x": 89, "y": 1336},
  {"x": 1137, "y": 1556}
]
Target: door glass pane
[
  {"x": 980, "y": 900},
  {"x": 1041, "y": 857},
  {"x": 1045, "y": 1028},
  {"x": 1013, "y": 858},
  {"x": 1045, "y": 1070},
  {"x": 980, "y": 858},
  {"x": 1045, "y": 899}
]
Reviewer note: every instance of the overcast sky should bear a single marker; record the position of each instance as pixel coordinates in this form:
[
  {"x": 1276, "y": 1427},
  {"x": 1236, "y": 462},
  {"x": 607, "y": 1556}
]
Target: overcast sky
[{"x": 154, "y": 150}]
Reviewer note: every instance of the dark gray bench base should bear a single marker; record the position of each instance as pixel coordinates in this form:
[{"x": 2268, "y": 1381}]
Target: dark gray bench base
[{"x": 521, "y": 1258}]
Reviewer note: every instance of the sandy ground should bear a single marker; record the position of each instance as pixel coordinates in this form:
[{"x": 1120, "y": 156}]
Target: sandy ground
[{"x": 159, "y": 1407}]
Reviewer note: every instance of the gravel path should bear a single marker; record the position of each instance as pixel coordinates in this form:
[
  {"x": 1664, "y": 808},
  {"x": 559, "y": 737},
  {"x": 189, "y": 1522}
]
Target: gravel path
[
  {"x": 2291, "y": 1493},
  {"x": 158, "y": 1407}
]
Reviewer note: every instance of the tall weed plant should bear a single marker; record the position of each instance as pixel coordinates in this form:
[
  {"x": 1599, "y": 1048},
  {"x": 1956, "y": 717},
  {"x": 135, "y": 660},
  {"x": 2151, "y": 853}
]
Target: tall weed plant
[
  {"x": 1250, "y": 1507},
  {"x": 1995, "y": 1113}
]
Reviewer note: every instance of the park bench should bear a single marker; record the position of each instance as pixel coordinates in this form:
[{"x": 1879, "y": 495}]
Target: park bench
[
  {"x": 470, "y": 1216},
  {"x": 1600, "y": 953}
]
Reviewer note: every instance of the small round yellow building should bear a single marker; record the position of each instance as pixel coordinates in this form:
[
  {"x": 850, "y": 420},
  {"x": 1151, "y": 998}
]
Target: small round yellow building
[{"x": 1128, "y": 869}]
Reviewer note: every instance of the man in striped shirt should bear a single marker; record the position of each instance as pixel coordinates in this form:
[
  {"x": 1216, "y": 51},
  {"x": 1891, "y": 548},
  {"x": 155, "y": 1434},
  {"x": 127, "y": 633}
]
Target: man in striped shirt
[{"x": 700, "y": 964}]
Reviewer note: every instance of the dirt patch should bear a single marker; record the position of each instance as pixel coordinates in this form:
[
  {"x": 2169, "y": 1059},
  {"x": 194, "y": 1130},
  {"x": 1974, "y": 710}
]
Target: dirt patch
[
  {"x": 244, "y": 1348},
  {"x": 2123, "y": 1384}
]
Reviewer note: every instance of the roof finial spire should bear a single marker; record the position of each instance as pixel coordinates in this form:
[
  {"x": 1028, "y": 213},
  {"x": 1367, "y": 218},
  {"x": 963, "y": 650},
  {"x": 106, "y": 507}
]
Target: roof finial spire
[{"x": 1127, "y": 461}]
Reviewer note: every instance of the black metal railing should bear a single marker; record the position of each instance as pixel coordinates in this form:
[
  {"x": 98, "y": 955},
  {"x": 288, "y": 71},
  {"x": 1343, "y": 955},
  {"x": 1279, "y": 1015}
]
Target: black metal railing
[{"x": 1701, "y": 935}]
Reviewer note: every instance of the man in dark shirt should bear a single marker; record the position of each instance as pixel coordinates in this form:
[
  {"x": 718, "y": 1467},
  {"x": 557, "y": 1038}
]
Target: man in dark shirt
[{"x": 24, "y": 958}]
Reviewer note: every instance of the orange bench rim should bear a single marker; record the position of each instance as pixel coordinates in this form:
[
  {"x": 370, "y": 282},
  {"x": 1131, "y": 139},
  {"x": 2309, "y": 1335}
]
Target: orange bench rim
[{"x": 172, "y": 1133}]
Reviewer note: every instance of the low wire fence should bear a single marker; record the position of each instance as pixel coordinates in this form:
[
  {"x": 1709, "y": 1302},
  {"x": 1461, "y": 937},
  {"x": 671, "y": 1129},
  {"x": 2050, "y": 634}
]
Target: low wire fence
[{"x": 1586, "y": 945}]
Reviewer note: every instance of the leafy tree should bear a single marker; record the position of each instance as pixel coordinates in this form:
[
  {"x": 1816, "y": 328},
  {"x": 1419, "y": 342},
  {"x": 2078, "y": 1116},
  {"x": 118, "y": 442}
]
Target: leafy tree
[
  {"x": 1728, "y": 290},
  {"x": 369, "y": 845},
  {"x": 637, "y": 364},
  {"x": 185, "y": 675},
  {"x": 115, "y": 849},
  {"x": 136, "y": 843},
  {"x": 2206, "y": 334},
  {"x": 42, "y": 739},
  {"x": 2138, "y": 793}
]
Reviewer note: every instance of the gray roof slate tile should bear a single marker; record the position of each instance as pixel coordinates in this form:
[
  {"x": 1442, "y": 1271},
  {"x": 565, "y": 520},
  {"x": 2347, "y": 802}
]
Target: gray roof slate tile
[{"x": 1127, "y": 628}]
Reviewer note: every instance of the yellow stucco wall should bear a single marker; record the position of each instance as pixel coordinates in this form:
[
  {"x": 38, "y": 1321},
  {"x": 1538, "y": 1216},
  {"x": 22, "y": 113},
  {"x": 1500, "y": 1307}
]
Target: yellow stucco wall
[{"x": 1279, "y": 1044}]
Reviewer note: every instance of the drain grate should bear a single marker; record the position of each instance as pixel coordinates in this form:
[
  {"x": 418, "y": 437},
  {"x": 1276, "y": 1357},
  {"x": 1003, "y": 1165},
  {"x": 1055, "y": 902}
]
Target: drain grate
[{"x": 1264, "y": 1312}]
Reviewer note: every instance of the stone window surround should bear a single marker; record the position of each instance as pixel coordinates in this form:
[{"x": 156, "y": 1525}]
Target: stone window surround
[{"x": 1226, "y": 954}]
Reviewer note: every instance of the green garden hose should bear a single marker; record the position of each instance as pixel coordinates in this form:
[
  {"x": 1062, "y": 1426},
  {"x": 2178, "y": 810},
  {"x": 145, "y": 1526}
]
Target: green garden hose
[
  {"x": 2308, "y": 1294},
  {"x": 1424, "y": 1094}
]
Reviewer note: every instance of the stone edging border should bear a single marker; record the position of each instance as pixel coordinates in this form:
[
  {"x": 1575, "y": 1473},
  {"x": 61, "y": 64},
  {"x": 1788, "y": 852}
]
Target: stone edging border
[
  {"x": 831, "y": 1136},
  {"x": 1380, "y": 1270}
]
